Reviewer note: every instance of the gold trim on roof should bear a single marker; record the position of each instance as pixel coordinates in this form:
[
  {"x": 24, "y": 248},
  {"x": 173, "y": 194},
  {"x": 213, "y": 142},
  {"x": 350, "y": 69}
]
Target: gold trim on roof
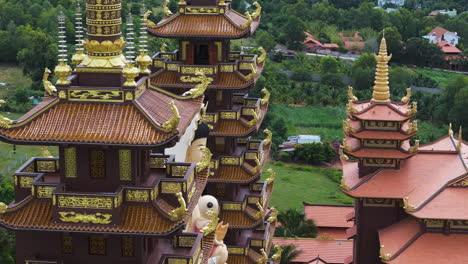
[
  {"x": 172, "y": 123},
  {"x": 407, "y": 97},
  {"x": 381, "y": 91}
]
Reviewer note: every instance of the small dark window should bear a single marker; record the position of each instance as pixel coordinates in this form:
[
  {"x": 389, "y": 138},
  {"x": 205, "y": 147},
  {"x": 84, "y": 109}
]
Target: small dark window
[
  {"x": 97, "y": 245},
  {"x": 202, "y": 55}
]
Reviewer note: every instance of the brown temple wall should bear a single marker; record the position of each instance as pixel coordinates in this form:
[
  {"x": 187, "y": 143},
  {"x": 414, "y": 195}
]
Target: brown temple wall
[
  {"x": 39, "y": 245},
  {"x": 369, "y": 220}
]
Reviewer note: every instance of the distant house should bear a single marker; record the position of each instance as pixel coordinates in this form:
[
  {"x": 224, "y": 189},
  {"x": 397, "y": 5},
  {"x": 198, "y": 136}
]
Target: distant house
[
  {"x": 450, "y": 13},
  {"x": 354, "y": 44},
  {"x": 382, "y": 3},
  {"x": 333, "y": 221},
  {"x": 313, "y": 45},
  {"x": 438, "y": 34},
  {"x": 297, "y": 140},
  {"x": 450, "y": 50}
]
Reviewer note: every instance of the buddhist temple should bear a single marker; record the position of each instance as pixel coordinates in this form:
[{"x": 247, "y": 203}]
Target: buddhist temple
[
  {"x": 409, "y": 198},
  {"x": 135, "y": 180}
]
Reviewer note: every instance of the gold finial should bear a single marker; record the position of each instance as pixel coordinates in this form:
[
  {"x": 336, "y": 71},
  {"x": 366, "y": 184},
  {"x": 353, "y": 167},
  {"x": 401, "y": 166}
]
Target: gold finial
[
  {"x": 460, "y": 140},
  {"x": 167, "y": 11},
  {"x": 205, "y": 160},
  {"x": 272, "y": 176},
  {"x": 171, "y": 124},
  {"x": 381, "y": 91},
  {"x": 222, "y": 2},
  {"x": 407, "y": 97},
  {"x": 265, "y": 98},
  {"x": 273, "y": 215},
  {"x": 200, "y": 88},
  {"x": 450, "y": 131},
  {"x": 48, "y": 87},
  {"x": 130, "y": 72},
  {"x": 384, "y": 256},
  {"x": 258, "y": 10},
  {"x": 262, "y": 56},
  {"x": 179, "y": 212},
  {"x": 268, "y": 137},
  {"x": 249, "y": 20},
  {"x": 351, "y": 96},
  {"x": 63, "y": 70},
  {"x": 278, "y": 252}
]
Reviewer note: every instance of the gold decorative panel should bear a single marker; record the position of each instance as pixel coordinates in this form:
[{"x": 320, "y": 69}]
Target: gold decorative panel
[
  {"x": 379, "y": 202},
  {"x": 95, "y": 96},
  {"x": 46, "y": 166},
  {"x": 202, "y": 10},
  {"x": 194, "y": 70},
  {"x": 177, "y": 261},
  {"x": 45, "y": 191},
  {"x": 137, "y": 196},
  {"x": 128, "y": 249},
  {"x": 70, "y": 162},
  {"x": 97, "y": 245},
  {"x": 157, "y": 163},
  {"x": 381, "y": 125},
  {"x": 72, "y": 217},
  {"x": 170, "y": 187},
  {"x": 380, "y": 143},
  {"x": 228, "y": 115},
  {"x": 373, "y": 162},
  {"x": 186, "y": 241},
  {"x": 236, "y": 251},
  {"x": 434, "y": 223},
  {"x": 25, "y": 182},
  {"x": 179, "y": 171},
  {"x": 230, "y": 161},
  {"x": 232, "y": 206},
  {"x": 85, "y": 202},
  {"x": 125, "y": 164},
  {"x": 97, "y": 164}
]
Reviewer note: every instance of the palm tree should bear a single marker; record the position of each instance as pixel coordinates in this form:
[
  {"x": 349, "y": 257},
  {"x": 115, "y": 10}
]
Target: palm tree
[
  {"x": 294, "y": 224},
  {"x": 288, "y": 253}
]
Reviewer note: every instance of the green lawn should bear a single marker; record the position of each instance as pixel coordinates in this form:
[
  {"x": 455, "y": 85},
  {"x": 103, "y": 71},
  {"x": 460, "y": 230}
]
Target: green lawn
[
  {"x": 297, "y": 184},
  {"x": 13, "y": 76},
  {"x": 441, "y": 77}
]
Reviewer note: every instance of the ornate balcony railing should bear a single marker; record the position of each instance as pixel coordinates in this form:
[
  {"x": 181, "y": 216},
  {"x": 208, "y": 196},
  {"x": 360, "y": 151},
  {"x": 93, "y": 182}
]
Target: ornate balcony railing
[
  {"x": 246, "y": 64},
  {"x": 193, "y": 241},
  {"x": 40, "y": 262}
]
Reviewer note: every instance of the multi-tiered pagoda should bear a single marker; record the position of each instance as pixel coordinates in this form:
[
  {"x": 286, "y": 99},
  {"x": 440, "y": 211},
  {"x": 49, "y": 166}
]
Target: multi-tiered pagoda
[
  {"x": 132, "y": 161},
  {"x": 409, "y": 199},
  {"x": 204, "y": 29}
]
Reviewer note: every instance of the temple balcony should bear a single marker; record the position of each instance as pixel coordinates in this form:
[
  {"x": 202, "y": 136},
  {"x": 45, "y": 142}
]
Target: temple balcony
[
  {"x": 249, "y": 208},
  {"x": 244, "y": 118},
  {"x": 36, "y": 261},
  {"x": 38, "y": 185},
  {"x": 244, "y": 166},
  {"x": 241, "y": 71},
  {"x": 185, "y": 248}
]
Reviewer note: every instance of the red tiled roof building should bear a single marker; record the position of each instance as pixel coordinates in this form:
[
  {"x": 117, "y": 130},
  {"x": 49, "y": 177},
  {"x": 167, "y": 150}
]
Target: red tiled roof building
[
  {"x": 408, "y": 198},
  {"x": 122, "y": 190}
]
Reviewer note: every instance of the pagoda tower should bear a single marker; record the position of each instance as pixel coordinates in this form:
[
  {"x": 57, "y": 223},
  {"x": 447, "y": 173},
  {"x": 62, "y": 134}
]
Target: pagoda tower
[
  {"x": 120, "y": 190},
  {"x": 204, "y": 29},
  {"x": 408, "y": 198}
]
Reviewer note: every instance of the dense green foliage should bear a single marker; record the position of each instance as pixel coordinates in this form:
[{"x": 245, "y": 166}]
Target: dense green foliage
[{"x": 294, "y": 224}]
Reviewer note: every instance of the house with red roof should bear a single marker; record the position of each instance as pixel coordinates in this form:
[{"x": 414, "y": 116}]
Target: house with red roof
[
  {"x": 354, "y": 44},
  {"x": 439, "y": 34},
  {"x": 317, "y": 251},
  {"x": 410, "y": 199},
  {"x": 332, "y": 220},
  {"x": 313, "y": 45},
  {"x": 450, "y": 50}
]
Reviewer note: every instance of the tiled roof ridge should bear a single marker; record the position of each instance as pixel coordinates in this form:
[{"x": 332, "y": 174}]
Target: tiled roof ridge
[
  {"x": 364, "y": 179},
  {"x": 406, "y": 245},
  {"x": 168, "y": 20},
  {"x": 388, "y": 104},
  {"x": 328, "y": 205},
  {"x": 34, "y": 113}
]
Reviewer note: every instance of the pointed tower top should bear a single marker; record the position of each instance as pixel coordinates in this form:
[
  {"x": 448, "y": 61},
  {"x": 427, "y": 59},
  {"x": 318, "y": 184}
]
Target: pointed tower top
[{"x": 381, "y": 91}]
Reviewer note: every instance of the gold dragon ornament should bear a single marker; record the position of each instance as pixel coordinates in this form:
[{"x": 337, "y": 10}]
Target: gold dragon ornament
[
  {"x": 48, "y": 86},
  {"x": 5, "y": 122},
  {"x": 273, "y": 215},
  {"x": 278, "y": 252},
  {"x": 167, "y": 11},
  {"x": 272, "y": 176},
  {"x": 171, "y": 124},
  {"x": 200, "y": 88},
  {"x": 208, "y": 229},
  {"x": 205, "y": 160},
  {"x": 265, "y": 98},
  {"x": 268, "y": 138},
  {"x": 258, "y": 10},
  {"x": 148, "y": 22},
  {"x": 179, "y": 212}
]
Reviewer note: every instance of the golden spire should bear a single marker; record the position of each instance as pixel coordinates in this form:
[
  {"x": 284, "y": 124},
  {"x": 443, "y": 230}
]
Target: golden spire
[{"x": 381, "y": 89}]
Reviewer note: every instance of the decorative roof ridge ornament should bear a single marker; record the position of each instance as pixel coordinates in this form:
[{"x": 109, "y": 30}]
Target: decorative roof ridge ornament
[
  {"x": 258, "y": 10},
  {"x": 278, "y": 251},
  {"x": 167, "y": 11},
  {"x": 200, "y": 88},
  {"x": 248, "y": 22},
  {"x": 273, "y": 215},
  {"x": 384, "y": 256},
  {"x": 257, "y": 167},
  {"x": 412, "y": 109},
  {"x": 271, "y": 177},
  {"x": 264, "y": 258},
  {"x": 208, "y": 229},
  {"x": 5, "y": 122},
  {"x": 179, "y": 212},
  {"x": 407, "y": 97},
  {"x": 172, "y": 124},
  {"x": 261, "y": 211},
  {"x": 48, "y": 86},
  {"x": 265, "y": 98},
  {"x": 381, "y": 90},
  {"x": 412, "y": 127},
  {"x": 343, "y": 184},
  {"x": 351, "y": 96},
  {"x": 414, "y": 148},
  {"x": 342, "y": 154},
  {"x": 269, "y": 136},
  {"x": 350, "y": 108},
  {"x": 407, "y": 206},
  {"x": 205, "y": 160},
  {"x": 262, "y": 56},
  {"x": 450, "y": 131},
  {"x": 3, "y": 208},
  {"x": 148, "y": 22}
]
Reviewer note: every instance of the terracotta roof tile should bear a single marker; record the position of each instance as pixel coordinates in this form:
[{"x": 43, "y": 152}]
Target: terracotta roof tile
[
  {"x": 435, "y": 248},
  {"x": 225, "y": 25},
  {"x": 383, "y": 112},
  {"x": 447, "y": 47},
  {"x": 37, "y": 214},
  {"x": 42, "y": 105},
  {"x": 239, "y": 219},
  {"x": 438, "y": 31},
  {"x": 328, "y": 215},
  {"x": 234, "y": 174},
  {"x": 397, "y": 235},
  {"x": 449, "y": 204},
  {"x": 334, "y": 251},
  {"x": 335, "y": 233}
]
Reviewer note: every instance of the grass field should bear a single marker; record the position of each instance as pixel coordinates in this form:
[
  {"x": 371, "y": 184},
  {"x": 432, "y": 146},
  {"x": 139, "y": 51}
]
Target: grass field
[
  {"x": 300, "y": 183},
  {"x": 441, "y": 77},
  {"x": 13, "y": 76}
]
